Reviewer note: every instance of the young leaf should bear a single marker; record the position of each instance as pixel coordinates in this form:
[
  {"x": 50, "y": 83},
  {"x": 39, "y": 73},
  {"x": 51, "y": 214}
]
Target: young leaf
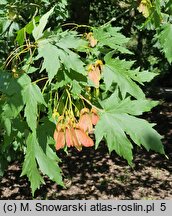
[{"x": 38, "y": 30}]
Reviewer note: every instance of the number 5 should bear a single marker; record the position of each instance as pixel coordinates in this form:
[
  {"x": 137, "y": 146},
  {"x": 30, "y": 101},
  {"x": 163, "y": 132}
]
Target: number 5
[{"x": 163, "y": 206}]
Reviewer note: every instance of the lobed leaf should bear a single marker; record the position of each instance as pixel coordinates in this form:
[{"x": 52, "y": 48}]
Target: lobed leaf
[
  {"x": 51, "y": 55},
  {"x": 30, "y": 166},
  {"x": 133, "y": 107},
  {"x": 46, "y": 162},
  {"x": 56, "y": 55},
  {"x": 111, "y": 37},
  {"x": 108, "y": 128},
  {"x": 116, "y": 71},
  {"x": 116, "y": 123}
]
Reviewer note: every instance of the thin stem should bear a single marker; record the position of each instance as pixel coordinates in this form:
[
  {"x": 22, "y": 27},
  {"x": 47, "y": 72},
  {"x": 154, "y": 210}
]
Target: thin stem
[
  {"x": 101, "y": 110},
  {"x": 115, "y": 18},
  {"x": 45, "y": 86},
  {"x": 76, "y": 26},
  {"x": 13, "y": 53},
  {"x": 70, "y": 101},
  {"x": 36, "y": 81},
  {"x": 65, "y": 106},
  {"x": 10, "y": 58}
]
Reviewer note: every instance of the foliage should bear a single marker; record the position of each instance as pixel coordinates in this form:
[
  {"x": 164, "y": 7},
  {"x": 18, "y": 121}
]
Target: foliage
[
  {"x": 58, "y": 86},
  {"x": 158, "y": 14},
  {"x": 144, "y": 31}
]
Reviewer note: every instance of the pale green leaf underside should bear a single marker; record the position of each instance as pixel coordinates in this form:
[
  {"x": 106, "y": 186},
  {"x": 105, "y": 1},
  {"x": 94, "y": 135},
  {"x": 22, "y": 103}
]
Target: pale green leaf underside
[{"x": 38, "y": 30}]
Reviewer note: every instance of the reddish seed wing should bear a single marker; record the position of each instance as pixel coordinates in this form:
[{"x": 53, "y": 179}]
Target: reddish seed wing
[
  {"x": 83, "y": 138},
  {"x": 92, "y": 40},
  {"x": 94, "y": 76},
  {"x": 69, "y": 140},
  {"x": 76, "y": 143},
  {"x": 85, "y": 122},
  {"x": 60, "y": 140},
  {"x": 94, "y": 118}
]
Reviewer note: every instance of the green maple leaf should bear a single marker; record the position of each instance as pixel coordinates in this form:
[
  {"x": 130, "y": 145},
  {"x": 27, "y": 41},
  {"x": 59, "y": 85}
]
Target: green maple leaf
[
  {"x": 30, "y": 166},
  {"x": 70, "y": 59},
  {"x": 13, "y": 106},
  {"x": 114, "y": 135},
  {"x": 47, "y": 165},
  {"x": 116, "y": 71},
  {"x": 119, "y": 72},
  {"x": 72, "y": 41},
  {"x": 14, "y": 101},
  {"x": 7, "y": 124},
  {"x": 116, "y": 123},
  {"x": 51, "y": 55},
  {"x": 141, "y": 76},
  {"x": 8, "y": 85},
  {"x": 142, "y": 133},
  {"x": 165, "y": 39},
  {"x": 32, "y": 97},
  {"x": 56, "y": 55},
  {"x": 111, "y": 37},
  {"x": 46, "y": 161},
  {"x": 133, "y": 107}
]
